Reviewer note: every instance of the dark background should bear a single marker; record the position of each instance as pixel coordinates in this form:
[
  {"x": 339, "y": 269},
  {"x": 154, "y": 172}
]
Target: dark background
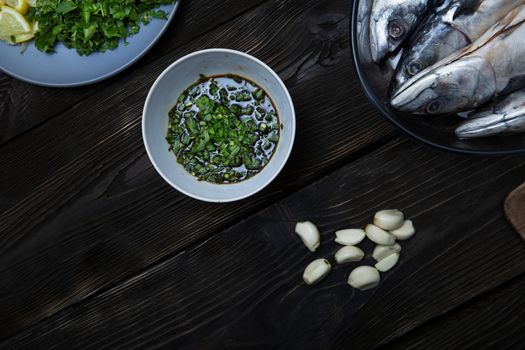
[{"x": 97, "y": 251}]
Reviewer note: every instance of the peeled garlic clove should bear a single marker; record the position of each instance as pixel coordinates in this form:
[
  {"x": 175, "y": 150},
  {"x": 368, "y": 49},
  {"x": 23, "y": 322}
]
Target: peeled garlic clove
[
  {"x": 404, "y": 232},
  {"x": 389, "y": 219},
  {"x": 348, "y": 254},
  {"x": 309, "y": 234},
  {"x": 379, "y": 236},
  {"x": 388, "y": 262},
  {"x": 364, "y": 277},
  {"x": 350, "y": 236},
  {"x": 316, "y": 271},
  {"x": 382, "y": 251}
]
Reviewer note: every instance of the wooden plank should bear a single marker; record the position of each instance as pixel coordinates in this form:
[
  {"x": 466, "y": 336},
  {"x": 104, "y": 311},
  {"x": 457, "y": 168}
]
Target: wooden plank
[
  {"x": 81, "y": 206},
  {"x": 243, "y": 288},
  {"x": 515, "y": 209},
  {"x": 24, "y": 106},
  {"x": 494, "y": 321}
]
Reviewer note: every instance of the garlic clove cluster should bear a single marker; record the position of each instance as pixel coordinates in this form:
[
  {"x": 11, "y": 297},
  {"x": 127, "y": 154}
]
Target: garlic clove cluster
[{"x": 388, "y": 226}]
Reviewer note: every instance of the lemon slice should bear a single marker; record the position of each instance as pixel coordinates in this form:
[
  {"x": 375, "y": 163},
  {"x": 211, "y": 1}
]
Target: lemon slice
[
  {"x": 19, "y": 5},
  {"x": 12, "y": 23}
]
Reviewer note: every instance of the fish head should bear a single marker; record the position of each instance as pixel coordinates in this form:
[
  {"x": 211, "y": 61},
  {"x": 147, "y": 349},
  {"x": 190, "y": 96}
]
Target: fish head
[
  {"x": 389, "y": 27},
  {"x": 484, "y": 126},
  {"x": 463, "y": 84},
  {"x": 505, "y": 115},
  {"x": 434, "y": 42}
]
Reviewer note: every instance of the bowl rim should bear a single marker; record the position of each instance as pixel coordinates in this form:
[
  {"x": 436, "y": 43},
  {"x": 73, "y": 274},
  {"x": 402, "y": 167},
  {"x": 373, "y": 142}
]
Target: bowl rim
[
  {"x": 291, "y": 124},
  {"x": 378, "y": 106}
]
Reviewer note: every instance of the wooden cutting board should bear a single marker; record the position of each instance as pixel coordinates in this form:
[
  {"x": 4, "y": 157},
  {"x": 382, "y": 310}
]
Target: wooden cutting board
[{"x": 515, "y": 209}]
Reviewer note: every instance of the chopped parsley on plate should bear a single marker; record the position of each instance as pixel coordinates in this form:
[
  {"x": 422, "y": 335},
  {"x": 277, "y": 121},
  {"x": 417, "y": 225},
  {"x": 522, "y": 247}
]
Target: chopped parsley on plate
[{"x": 91, "y": 26}]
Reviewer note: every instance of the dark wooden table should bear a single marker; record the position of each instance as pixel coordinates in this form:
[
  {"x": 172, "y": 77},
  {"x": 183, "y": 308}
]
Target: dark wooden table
[{"x": 97, "y": 251}]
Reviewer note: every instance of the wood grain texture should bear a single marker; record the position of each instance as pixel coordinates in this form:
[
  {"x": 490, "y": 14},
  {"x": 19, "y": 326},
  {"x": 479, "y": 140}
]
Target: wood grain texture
[
  {"x": 81, "y": 207},
  {"x": 493, "y": 321},
  {"x": 515, "y": 209},
  {"x": 242, "y": 288},
  {"x": 24, "y": 106}
]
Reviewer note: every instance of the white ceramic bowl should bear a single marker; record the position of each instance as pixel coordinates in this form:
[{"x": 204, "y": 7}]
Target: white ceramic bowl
[{"x": 177, "y": 78}]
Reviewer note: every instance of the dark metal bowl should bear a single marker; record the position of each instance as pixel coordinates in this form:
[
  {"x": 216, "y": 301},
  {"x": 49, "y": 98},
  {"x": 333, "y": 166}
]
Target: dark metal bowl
[{"x": 434, "y": 131}]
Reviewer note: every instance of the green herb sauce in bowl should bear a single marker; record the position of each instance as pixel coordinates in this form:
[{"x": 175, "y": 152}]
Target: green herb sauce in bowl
[
  {"x": 201, "y": 133},
  {"x": 223, "y": 129}
]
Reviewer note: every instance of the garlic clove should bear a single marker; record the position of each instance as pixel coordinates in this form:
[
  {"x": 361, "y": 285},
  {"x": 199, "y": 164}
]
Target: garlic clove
[
  {"x": 350, "y": 236},
  {"x": 387, "y": 263},
  {"x": 316, "y": 271},
  {"x": 406, "y": 231},
  {"x": 348, "y": 254},
  {"x": 379, "y": 236},
  {"x": 382, "y": 251},
  {"x": 364, "y": 277},
  {"x": 389, "y": 219},
  {"x": 309, "y": 234}
]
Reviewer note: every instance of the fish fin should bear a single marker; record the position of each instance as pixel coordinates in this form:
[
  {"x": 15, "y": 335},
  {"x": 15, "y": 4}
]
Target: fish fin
[{"x": 467, "y": 8}]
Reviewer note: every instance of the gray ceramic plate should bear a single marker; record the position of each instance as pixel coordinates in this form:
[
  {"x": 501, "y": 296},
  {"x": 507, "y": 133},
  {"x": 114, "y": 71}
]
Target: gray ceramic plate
[{"x": 66, "y": 68}]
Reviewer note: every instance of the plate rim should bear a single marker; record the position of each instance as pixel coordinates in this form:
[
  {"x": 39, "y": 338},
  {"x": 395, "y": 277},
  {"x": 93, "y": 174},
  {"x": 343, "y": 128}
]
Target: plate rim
[
  {"x": 107, "y": 75},
  {"x": 367, "y": 90}
]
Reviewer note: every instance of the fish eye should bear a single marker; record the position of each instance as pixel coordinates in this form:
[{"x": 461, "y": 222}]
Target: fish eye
[
  {"x": 414, "y": 68},
  {"x": 434, "y": 107},
  {"x": 396, "y": 30}
]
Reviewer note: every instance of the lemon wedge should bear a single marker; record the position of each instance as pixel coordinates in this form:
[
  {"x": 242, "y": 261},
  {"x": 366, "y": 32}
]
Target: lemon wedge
[
  {"x": 20, "y": 5},
  {"x": 12, "y": 23}
]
